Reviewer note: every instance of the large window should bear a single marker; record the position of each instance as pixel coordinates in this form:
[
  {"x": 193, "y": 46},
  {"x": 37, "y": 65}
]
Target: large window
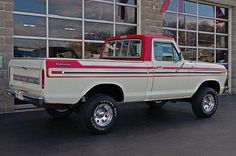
[
  {"x": 201, "y": 30},
  {"x": 72, "y": 28}
]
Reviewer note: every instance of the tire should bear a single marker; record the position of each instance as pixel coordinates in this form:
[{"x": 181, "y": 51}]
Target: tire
[
  {"x": 99, "y": 114},
  {"x": 59, "y": 113},
  {"x": 156, "y": 104},
  {"x": 205, "y": 102}
]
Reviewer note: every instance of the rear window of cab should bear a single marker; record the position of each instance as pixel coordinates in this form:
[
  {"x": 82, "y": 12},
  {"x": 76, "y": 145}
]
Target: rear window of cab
[{"x": 129, "y": 48}]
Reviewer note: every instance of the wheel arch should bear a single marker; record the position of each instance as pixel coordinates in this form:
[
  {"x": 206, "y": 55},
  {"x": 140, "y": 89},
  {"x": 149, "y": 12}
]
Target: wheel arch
[
  {"x": 110, "y": 89},
  {"x": 214, "y": 84}
]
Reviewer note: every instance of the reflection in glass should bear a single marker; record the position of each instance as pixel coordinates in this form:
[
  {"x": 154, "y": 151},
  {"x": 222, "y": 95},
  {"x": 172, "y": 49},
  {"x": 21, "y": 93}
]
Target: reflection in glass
[
  {"x": 187, "y": 39},
  {"x": 65, "y": 49},
  {"x": 206, "y": 25},
  {"x": 60, "y": 28},
  {"x": 205, "y": 40},
  {"x": 171, "y": 33},
  {"x": 32, "y": 6},
  {"x": 93, "y": 50},
  {"x": 126, "y": 14},
  {"x": 222, "y": 12},
  {"x": 187, "y": 22},
  {"x": 29, "y": 26},
  {"x": 206, "y": 10},
  {"x": 98, "y": 11},
  {"x": 221, "y": 56},
  {"x": 132, "y": 2},
  {"x": 206, "y": 55},
  {"x": 221, "y": 26},
  {"x": 173, "y": 5},
  {"x": 29, "y": 48},
  {"x": 97, "y": 31},
  {"x": 124, "y": 30},
  {"x": 70, "y": 8},
  {"x": 170, "y": 20},
  {"x": 222, "y": 41},
  {"x": 189, "y": 54},
  {"x": 190, "y": 7}
]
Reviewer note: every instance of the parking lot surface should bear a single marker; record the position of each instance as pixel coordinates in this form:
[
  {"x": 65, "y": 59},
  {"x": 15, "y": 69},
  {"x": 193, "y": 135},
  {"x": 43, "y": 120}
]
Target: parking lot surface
[{"x": 140, "y": 131}]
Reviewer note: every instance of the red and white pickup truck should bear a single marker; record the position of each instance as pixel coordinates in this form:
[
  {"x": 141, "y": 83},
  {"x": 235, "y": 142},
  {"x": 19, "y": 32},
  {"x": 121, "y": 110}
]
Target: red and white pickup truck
[{"x": 131, "y": 68}]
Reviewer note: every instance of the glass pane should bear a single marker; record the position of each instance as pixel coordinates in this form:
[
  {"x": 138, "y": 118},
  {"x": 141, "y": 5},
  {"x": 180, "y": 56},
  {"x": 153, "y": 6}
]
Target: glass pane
[
  {"x": 222, "y": 12},
  {"x": 171, "y": 33},
  {"x": 222, "y": 41},
  {"x": 163, "y": 51},
  {"x": 206, "y": 10},
  {"x": 222, "y": 27},
  {"x": 170, "y": 20},
  {"x": 110, "y": 47},
  {"x": 190, "y": 7},
  {"x": 97, "y": 31},
  {"x": 221, "y": 56},
  {"x": 98, "y": 11},
  {"x": 206, "y": 55},
  {"x": 64, "y": 49},
  {"x": 29, "y": 26},
  {"x": 173, "y": 5},
  {"x": 32, "y": 6},
  {"x": 206, "y": 25},
  {"x": 206, "y": 40},
  {"x": 70, "y": 8},
  {"x": 187, "y": 39},
  {"x": 189, "y": 54},
  {"x": 187, "y": 22},
  {"x": 135, "y": 48},
  {"x": 93, "y": 50},
  {"x": 126, "y": 14},
  {"x": 60, "y": 28},
  {"x": 132, "y": 2},
  {"x": 29, "y": 48},
  {"x": 123, "y": 30}
]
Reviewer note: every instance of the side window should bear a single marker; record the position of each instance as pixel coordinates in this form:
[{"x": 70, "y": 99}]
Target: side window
[{"x": 165, "y": 52}]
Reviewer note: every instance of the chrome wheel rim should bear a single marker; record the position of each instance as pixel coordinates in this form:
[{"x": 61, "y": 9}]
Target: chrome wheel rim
[
  {"x": 208, "y": 103},
  {"x": 103, "y": 115}
]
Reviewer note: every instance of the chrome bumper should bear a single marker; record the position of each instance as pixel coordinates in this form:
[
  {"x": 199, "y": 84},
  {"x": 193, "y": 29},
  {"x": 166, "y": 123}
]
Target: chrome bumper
[{"x": 35, "y": 100}]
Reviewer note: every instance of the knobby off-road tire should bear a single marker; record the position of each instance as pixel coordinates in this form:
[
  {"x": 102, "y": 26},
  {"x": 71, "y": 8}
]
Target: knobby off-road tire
[
  {"x": 204, "y": 102},
  {"x": 99, "y": 114},
  {"x": 59, "y": 113},
  {"x": 156, "y": 104}
]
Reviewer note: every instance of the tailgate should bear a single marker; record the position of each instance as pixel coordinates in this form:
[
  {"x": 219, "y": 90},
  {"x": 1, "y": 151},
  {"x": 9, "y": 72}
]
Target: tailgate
[{"x": 26, "y": 75}]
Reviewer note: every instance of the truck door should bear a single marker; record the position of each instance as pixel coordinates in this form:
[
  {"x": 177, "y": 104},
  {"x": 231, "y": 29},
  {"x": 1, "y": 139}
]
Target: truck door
[{"x": 170, "y": 74}]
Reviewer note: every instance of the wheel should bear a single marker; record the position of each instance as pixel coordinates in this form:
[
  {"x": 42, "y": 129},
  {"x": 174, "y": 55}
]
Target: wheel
[
  {"x": 205, "y": 102},
  {"x": 99, "y": 114},
  {"x": 59, "y": 113},
  {"x": 156, "y": 104}
]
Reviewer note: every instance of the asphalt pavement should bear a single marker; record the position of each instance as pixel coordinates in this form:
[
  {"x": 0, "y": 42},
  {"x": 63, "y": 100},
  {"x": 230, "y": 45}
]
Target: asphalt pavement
[{"x": 140, "y": 131}]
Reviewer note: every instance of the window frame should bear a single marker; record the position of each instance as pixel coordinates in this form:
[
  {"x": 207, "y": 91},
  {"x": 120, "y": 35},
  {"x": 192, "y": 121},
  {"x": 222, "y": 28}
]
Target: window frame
[{"x": 174, "y": 46}]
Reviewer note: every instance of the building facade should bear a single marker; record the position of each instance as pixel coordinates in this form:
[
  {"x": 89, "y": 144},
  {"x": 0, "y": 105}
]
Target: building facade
[{"x": 205, "y": 30}]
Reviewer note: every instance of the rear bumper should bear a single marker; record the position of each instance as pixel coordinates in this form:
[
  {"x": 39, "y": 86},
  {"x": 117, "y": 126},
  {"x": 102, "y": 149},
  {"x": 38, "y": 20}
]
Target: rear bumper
[{"x": 35, "y": 100}]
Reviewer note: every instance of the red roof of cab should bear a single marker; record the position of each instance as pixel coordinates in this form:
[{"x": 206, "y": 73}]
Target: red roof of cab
[
  {"x": 146, "y": 45},
  {"x": 118, "y": 37}
]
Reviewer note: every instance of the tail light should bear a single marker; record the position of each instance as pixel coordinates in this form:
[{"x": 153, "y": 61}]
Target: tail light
[{"x": 42, "y": 79}]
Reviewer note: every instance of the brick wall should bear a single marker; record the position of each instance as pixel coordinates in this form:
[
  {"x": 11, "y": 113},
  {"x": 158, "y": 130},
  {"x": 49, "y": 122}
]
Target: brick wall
[
  {"x": 6, "y": 51},
  {"x": 151, "y": 19},
  {"x": 233, "y": 54}
]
